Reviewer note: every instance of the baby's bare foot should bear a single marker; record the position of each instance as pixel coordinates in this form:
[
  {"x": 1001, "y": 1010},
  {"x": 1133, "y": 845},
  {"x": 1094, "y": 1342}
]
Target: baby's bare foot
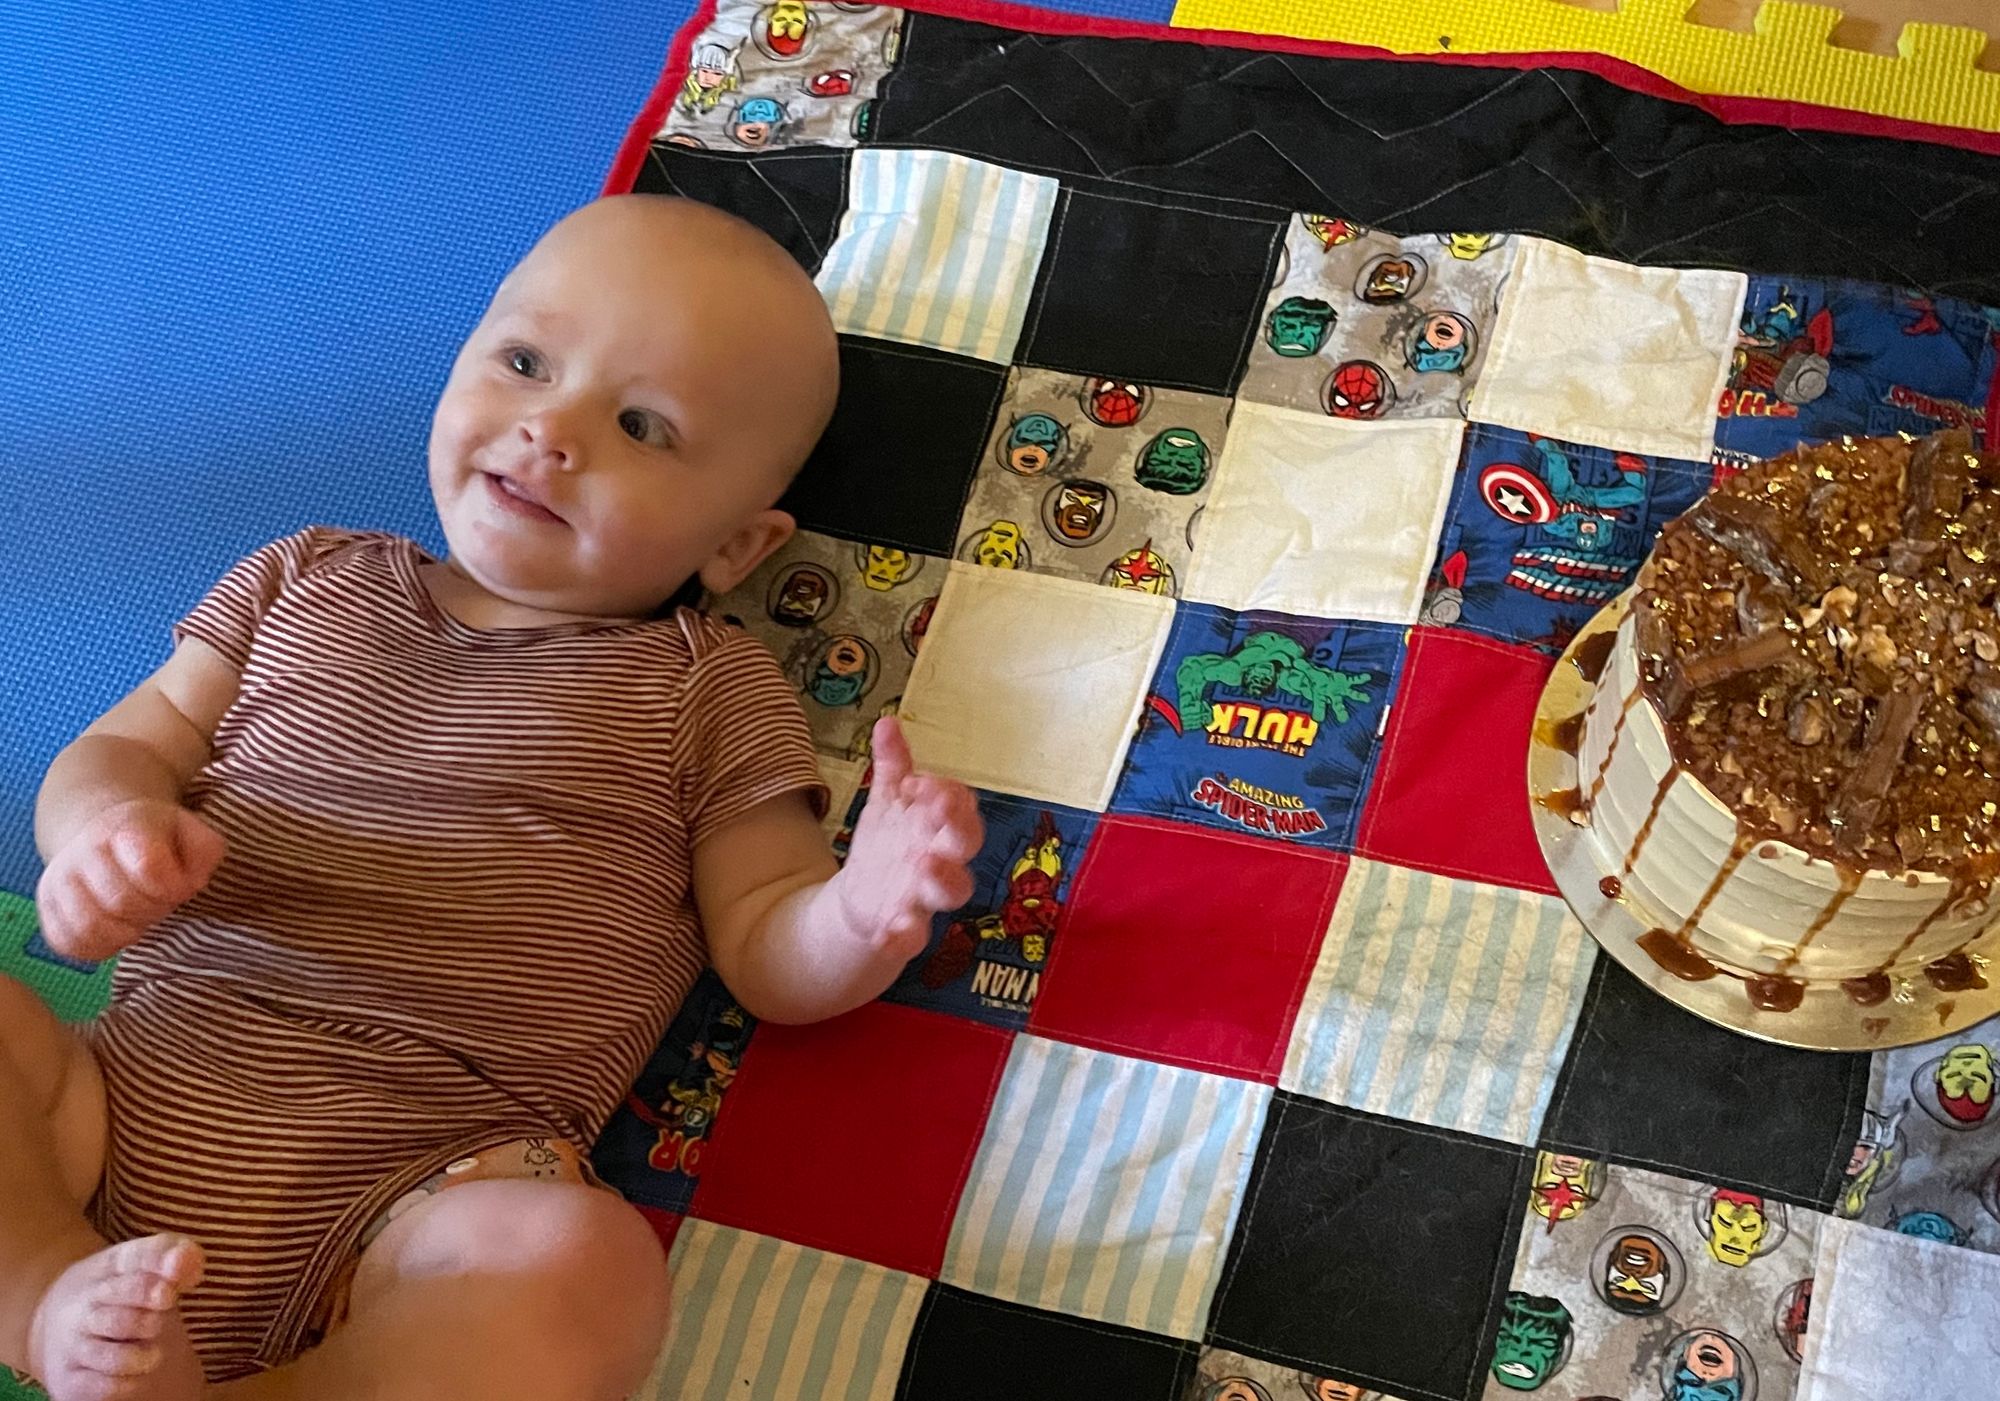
[{"x": 109, "y": 1328}]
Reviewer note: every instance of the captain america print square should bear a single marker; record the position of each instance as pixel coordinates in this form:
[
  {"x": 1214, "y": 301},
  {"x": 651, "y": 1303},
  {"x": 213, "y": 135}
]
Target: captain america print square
[{"x": 1541, "y": 534}]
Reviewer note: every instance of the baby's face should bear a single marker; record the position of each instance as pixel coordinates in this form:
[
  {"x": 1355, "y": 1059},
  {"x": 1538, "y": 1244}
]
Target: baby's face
[{"x": 628, "y": 410}]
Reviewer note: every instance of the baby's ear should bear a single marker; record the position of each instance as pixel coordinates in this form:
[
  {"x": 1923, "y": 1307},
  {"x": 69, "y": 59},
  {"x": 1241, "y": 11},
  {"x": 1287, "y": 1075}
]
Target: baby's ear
[{"x": 752, "y": 544}]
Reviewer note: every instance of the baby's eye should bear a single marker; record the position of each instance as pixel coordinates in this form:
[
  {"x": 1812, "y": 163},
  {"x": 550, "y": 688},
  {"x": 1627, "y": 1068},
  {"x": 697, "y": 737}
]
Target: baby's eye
[
  {"x": 523, "y": 361},
  {"x": 642, "y": 426}
]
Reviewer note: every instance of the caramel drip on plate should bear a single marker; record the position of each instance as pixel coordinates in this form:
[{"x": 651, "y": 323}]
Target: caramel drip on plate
[
  {"x": 1564, "y": 802},
  {"x": 1866, "y": 991},
  {"x": 1677, "y": 958},
  {"x": 1593, "y": 652},
  {"x": 1955, "y": 972}
]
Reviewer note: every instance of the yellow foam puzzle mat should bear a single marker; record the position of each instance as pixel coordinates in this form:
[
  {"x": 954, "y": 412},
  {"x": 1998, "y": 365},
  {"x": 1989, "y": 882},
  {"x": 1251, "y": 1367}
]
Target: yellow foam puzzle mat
[{"x": 1788, "y": 56}]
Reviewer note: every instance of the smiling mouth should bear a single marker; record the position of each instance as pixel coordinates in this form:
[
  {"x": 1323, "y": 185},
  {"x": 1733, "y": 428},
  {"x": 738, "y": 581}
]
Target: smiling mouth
[{"x": 517, "y": 500}]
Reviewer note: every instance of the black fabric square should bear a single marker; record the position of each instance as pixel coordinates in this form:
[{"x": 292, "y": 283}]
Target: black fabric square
[
  {"x": 1372, "y": 1248},
  {"x": 1652, "y": 1085},
  {"x": 797, "y": 197},
  {"x": 1148, "y": 288},
  {"x": 967, "y": 1347},
  {"x": 898, "y": 458}
]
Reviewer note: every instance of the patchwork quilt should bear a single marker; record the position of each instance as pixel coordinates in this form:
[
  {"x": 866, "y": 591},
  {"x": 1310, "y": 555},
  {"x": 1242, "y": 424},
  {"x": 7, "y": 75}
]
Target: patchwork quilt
[{"x": 1229, "y": 442}]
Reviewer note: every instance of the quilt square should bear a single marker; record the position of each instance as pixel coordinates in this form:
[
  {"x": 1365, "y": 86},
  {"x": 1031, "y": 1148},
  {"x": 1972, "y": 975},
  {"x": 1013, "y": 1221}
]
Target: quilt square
[
  {"x": 937, "y": 249},
  {"x": 1589, "y": 350},
  {"x": 1543, "y": 534},
  {"x": 794, "y": 196},
  {"x": 1350, "y": 1217},
  {"x": 1325, "y": 519},
  {"x": 1817, "y": 358},
  {"x": 1443, "y": 1001},
  {"x": 1160, "y": 963},
  {"x": 1117, "y": 260},
  {"x": 893, "y": 466},
  {"x": 1867, "y": 1286},
  {"x": 986, "y": 961},
  {"x": 1927, "y": 1160},
  {"x": 652, "y": 1149},
  {"x": 1106, "y": 1187},
  {"x": 845, "y": 621},
  {"x": 1362, "y": 324},
  {"x": 1631, "y": 1282},
  {"x": 1649, "y": 1083},
  {"x": 1262, "y": 723},
  {"x": 1222, "y": 1375},
  {"x": 806, "y": 1085},
  {"x": 1457, "y": 743},
  {"x": 1031, "y": 685},
  {"x": 971, "y": 1348},
  {"x": 766, "y": 74},
  {"x": 1094, "y": 479},
  {"x": 757, "y": 1319}
]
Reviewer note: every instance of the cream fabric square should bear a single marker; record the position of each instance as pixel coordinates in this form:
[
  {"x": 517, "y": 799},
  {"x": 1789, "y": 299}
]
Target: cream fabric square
[
  {"x": 1324, "y": 518},
  {"x": 1893, "y": 1315},
  {"x": 937, "y": 249},
  {"x": 1032, "y": 685},
  {"x": 1594, "y": 351}
]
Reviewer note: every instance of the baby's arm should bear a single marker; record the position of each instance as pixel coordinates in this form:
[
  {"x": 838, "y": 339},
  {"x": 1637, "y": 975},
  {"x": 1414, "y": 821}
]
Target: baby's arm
[
  {"x": 798, "y": 939},
  {"x": 122, "y": 852}
]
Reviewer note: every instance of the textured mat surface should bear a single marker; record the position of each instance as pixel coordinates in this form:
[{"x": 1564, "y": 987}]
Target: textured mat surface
[{"x": 240, "y": 245}]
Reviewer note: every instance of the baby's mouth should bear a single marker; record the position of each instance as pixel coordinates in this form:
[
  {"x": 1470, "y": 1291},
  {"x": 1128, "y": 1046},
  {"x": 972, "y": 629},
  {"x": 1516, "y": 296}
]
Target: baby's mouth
[{"x": 518, "y": 499}]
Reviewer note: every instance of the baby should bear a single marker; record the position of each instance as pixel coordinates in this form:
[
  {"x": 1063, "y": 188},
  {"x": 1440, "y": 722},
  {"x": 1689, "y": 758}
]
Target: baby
[{"x": 411, "y": 862}]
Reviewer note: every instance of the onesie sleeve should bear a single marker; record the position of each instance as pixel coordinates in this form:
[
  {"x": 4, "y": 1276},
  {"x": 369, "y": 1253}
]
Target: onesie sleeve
[
  {"x": 742, "y": 737},
  {"x": 228, "y": 617}
]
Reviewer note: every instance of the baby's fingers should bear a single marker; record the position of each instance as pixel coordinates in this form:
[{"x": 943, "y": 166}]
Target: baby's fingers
[
  {"x": 943, "y": 884},
  {"x": 114, "y": 893}
]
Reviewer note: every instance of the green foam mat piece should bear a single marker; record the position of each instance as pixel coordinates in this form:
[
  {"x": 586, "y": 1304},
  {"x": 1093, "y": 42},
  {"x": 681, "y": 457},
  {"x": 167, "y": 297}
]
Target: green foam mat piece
[
  {"x": 77, "y": 991},
  {"x": 15, "y": 1387}
]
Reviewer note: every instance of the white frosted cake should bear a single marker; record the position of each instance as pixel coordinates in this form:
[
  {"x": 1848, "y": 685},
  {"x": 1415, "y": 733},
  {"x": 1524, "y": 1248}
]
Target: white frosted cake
[{"x": 1794, "y": 738}]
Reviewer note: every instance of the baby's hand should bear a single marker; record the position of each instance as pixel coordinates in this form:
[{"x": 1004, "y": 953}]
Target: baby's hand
[
  {"x": 907, "y": 860},
  {"x": 122, "y": 873}
]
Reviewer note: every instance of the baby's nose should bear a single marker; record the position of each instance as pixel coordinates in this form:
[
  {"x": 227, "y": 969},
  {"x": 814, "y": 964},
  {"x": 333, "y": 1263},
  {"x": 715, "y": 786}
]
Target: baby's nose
[{"x": 551, "y": 441}]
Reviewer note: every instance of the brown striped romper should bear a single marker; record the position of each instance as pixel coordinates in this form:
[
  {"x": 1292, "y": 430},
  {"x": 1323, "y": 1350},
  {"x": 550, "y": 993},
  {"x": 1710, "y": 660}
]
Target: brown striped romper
[{"x": 456, "y": 910}]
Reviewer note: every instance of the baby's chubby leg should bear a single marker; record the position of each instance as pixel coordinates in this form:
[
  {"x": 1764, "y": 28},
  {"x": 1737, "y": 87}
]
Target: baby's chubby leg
[
  {"x": 501, "y": 1290},
  {"x": 92, "y": 1323}
]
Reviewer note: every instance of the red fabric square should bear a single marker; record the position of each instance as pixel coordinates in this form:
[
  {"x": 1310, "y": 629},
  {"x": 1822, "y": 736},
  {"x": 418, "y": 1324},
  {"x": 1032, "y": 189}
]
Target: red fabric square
[
  {"x": 666, "y": 1225},
  {"x": 1188, "y": 946},
  {"x": 855, "y": 1135},
  {"x": 1451, "y": 788}
]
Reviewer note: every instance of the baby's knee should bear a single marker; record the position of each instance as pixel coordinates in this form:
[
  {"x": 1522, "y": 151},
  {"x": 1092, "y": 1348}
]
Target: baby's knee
[{"x": 605, "y": 1277}]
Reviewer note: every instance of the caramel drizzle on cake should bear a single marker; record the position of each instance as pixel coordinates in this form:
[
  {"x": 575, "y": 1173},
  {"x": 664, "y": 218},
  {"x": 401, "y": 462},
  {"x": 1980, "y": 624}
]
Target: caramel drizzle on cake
[{"x": 1821, "y": 638}]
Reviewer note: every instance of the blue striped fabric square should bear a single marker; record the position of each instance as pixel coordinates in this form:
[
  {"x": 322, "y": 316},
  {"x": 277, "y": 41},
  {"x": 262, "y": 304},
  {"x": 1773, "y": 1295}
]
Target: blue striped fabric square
[
  {"x": 1444, "y": 1001},
  {"x": 1106, "y": 1187},
  {"x": 757, "y": 1319},
  {"x": 937, "y": 249}
]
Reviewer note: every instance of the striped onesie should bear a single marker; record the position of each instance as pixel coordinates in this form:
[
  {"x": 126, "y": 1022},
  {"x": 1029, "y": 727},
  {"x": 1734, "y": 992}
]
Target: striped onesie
[{"x": 456, "y": 910}]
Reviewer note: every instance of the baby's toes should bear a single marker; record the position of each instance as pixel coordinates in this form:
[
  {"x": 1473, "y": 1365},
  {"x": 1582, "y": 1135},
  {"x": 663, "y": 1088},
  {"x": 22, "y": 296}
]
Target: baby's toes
[
  {"x": 115, "y": 1359},
  {"x": 123, "y": 1323}
]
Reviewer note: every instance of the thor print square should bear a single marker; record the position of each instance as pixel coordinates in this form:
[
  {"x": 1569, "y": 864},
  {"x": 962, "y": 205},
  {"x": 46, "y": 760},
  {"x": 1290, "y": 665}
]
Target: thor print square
[
  {"x": 845, "y": 621},
  {"x": 1094, "y": 479},
  {"x": 1263, "y": 723},
  {"x": 773, "y": 73},
  {"x": 1361, "y": 324}
]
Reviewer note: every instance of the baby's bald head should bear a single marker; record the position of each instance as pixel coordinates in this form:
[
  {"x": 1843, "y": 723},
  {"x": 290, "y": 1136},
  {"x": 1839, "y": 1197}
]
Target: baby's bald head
[
  {"x": 649, "y": 377},
  {"x": 687, "y": 271}
]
